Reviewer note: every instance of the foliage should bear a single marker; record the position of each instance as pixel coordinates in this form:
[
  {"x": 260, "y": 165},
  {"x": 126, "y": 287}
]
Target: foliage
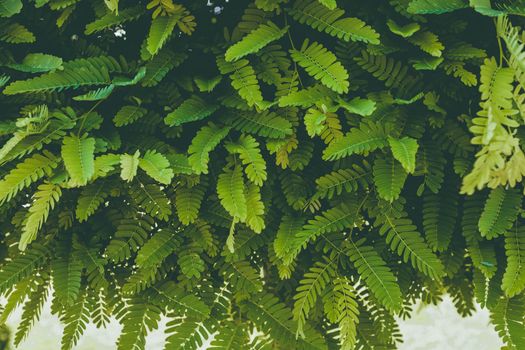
[{"x": 282, "y": 174}]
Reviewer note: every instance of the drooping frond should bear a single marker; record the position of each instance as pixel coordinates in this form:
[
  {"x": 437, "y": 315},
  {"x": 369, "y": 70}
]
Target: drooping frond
[
  {"x": 272, "y": 317},
  {"x": 44, "y": 201},
  {"x": 439, "y": 217},
  {"x": 66, "y": 273},
  {"x": 22, "y": 266},
  {"x": 310, "y": 287},
  {"x": 507, "y": 318},
  {"x": 376, "y": 274},
  {"x": 481, "y": 252},
  {"x": 345, "y": 312},
  {"x": 341, "y": 217},
  {"x": 32, "y": 311},
  {"x": 76, "y": 319},
  {"x": 138, "y": 319},
  {"x": 500, "y": 212},
  {"x": 256, "y": 210},
  {"x": 514, "y": 278},
  {"x": 404, "y": 239}
]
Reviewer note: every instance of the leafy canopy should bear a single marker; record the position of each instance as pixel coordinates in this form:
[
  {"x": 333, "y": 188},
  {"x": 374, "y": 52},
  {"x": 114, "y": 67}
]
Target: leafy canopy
[{"x": 283, "y": 174}]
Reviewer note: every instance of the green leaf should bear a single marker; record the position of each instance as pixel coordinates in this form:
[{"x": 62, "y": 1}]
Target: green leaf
[
  {"x": 15, "y": 33},
  {"x": 360, "y": 106},
  {"x": 328, "y": 19},
  {"x": 157, "y": 167},
  {"x": 272, "y": 317},
  {"x": 9, "y": 8},
  {"x": 159, "y": 32},
  {"x": 188, "y": 201},
  {"x": 44, "y": 200},
  {"x": 111, "y": 19},
  {"x": 500, "y": 212},
  {"x": 157, "y": 248},
  {"x": 205, "y": 141},
  {"x": 314, "y": 121},
  {"x": 439, "y": 217},
  {"x": 151, "y": 199},
  {"x": 362, "y": 140},
  {"x": 96, "y": 95},
  {"x": 428, "y": 42},
  {"x": 405, "y": 31},
  {"x": 112, "y": 5},
  {"x": 248, "y": 149},
  {"x": 78, "y": 156},
  {"x": 507, "y": 318},
  {"x": 80, "y": 72},
  {"x": 255, "y": 41},
  {"x": 90, "y": 199},
  {"x": 331, "y": 4},
  {"x": 427, "y": 63},
  {"x": 403, "y": 238},
  {"x": 75, "y": 320},
  {"x": 514, "y": 278},
  {"x": 192, "y": 109},
  {"x": 230, "y": 189},
  {"x": 312, "y": 283},
  {"x": 389, "y": 178},
  {"x": 243, "y": 79},
  {"x": 37, "y": 63},
  {"x": 128, "y": 114},
  {"x": 129, "y": 165},
  {"x": 27, "y": 173},
  {"x": 22, "y": 266},
  {"x": 338, "y": 218},
  {"x": 322, "y": 65},
  {"x": 404, "y": 150},
  {"x": 66, "y": 273},
  {"x": 255, "y": 213},
  {"x": 376, "y": 274},
  {"x": 435, "y": 7}
]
